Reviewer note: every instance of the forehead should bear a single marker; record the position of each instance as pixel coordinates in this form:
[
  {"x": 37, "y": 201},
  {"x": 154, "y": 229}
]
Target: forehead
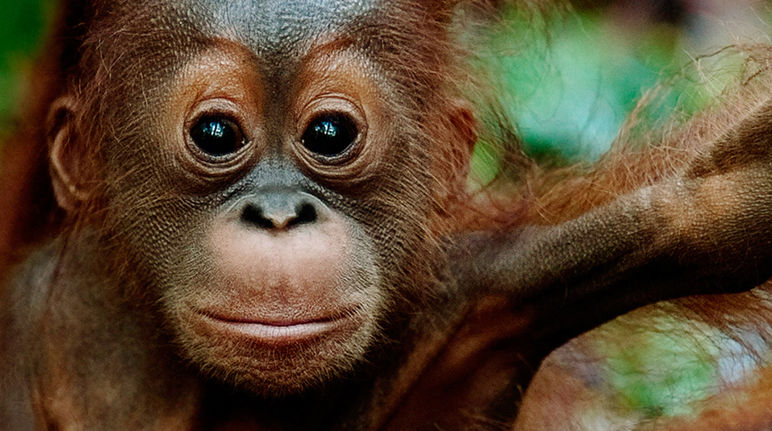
[{"x": 278, "y": 28}]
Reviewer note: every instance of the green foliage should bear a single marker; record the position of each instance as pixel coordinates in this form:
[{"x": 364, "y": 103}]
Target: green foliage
[
  {"x": 570, "y": 82},
  {"x": 21, "y": 26},
  {"x": 664, "y": 373}
]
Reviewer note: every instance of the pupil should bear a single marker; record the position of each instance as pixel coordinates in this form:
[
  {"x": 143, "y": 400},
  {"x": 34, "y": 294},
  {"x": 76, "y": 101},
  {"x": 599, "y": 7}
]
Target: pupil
[
  {"x": 217, "y": 136},
  {"x": 330, "y": 135}
]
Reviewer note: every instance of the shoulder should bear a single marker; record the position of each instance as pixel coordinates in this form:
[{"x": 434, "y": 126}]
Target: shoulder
[{"x": 28, "y": 286}]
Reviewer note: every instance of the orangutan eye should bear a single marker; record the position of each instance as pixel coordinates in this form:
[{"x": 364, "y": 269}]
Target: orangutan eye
[
  {"x": 217, "y": 136},
  {"x": 330, "y": 135}
]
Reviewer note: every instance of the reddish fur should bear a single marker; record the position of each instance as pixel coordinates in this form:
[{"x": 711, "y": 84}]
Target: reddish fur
[{"x": 542, "y": 197}]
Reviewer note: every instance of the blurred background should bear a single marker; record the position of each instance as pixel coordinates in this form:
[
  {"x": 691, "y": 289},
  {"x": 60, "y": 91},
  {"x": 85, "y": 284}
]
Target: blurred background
[
  {"x": 568, "y": 88},
  {"x": 22, "y": 25},
  {"x": 570, "y": 81}
]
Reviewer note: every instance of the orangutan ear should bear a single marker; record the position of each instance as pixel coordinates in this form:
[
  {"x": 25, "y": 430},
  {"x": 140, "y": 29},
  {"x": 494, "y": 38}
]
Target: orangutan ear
[{"x": 69, "y": 166}]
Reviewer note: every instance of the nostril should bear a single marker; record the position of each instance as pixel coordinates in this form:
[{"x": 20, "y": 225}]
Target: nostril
[
  {"x": 279, "y": 212},
  {"x": 305, "y": 213},
  {"x": 253, "y": 215}
]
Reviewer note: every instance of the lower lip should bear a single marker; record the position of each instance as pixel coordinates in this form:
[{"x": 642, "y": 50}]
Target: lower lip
[{"x": 277, "y": 334}]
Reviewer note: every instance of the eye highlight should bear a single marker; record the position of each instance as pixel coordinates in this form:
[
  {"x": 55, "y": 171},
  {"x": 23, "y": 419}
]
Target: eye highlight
[
  {"x": 330, "y": 135},
  {"x": 217, "y": 135}
]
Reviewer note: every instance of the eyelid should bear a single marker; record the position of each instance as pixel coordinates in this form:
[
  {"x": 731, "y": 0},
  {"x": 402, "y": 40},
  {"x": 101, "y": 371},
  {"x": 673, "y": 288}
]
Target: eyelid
[
  {"x": 216, "y": 107},
  {"x": 330, "y": 104}
]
